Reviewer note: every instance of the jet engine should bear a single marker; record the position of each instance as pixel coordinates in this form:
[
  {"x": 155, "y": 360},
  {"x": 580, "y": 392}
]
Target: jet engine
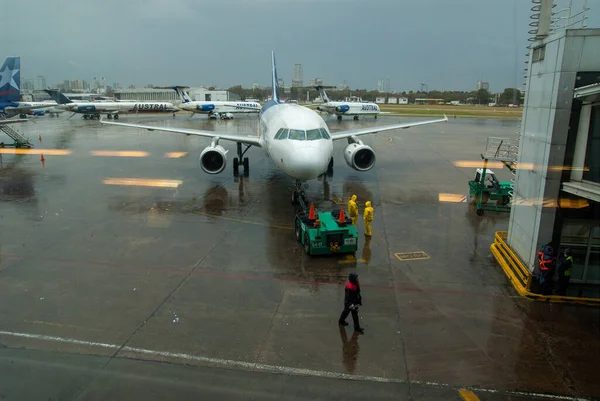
[
  {"x": 213, "y": 159},
  {"x": 342, "y": 108},
  {"x": 358, "y": 155}
]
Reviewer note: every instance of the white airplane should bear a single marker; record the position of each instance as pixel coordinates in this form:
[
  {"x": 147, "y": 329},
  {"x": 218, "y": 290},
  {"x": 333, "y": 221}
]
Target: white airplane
[
  {"x": 218, "y": 109},
  {"x": 10, "y": 91},
  {"x": 346, "y": 108},
  {"x": 91, "y": 110},
  {"x": 295, "y": 137}
]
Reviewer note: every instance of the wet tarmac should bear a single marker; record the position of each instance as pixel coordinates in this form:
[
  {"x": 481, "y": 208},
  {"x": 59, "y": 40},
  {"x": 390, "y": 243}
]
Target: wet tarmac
[{"x": 138, "y": 276}]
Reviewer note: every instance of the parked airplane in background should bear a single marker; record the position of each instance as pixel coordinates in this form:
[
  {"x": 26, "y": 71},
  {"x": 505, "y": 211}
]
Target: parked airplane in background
[
  {"x": 295, "y": 137},
  {"x": 91, "y": 110},
  {"x": 10, "y": 91},
  {"x": 346, "y": 108},
  {"x": 217, "y": 109}
]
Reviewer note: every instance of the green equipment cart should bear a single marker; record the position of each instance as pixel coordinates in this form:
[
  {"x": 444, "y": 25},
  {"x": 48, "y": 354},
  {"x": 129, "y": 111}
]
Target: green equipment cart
[
  {"x": 325, "y": 234},
  {"x": 485, "y": 186}
]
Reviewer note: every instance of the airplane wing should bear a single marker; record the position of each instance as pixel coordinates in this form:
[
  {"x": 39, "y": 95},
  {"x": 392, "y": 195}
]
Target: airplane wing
[
  {"x": 249, "y": 140},
  {"x": 5, "y": 122},
  {"x": 381, "y": 128}
]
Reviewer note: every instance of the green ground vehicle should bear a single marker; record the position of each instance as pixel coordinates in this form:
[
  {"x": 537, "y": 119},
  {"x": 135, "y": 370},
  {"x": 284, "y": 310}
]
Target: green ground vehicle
[
  {"x": 325, "y": 235},
  {"x": 486, "y": 187}
]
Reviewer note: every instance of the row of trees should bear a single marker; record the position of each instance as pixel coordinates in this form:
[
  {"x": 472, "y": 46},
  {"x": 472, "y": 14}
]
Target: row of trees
[{"x": 482, "y": 96}]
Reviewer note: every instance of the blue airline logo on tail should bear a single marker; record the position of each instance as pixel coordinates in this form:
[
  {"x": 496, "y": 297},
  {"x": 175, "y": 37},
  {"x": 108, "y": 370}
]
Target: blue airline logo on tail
[{"x": 10, "y": 79}]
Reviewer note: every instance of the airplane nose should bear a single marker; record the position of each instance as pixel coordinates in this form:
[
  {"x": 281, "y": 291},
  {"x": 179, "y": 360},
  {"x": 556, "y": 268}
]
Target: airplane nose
[{"x": 307, "y": 163}]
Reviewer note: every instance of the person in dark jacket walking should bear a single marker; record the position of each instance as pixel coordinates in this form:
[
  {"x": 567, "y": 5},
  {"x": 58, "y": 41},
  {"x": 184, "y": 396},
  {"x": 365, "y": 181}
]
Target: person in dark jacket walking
[{"x": 352, "y": 300}]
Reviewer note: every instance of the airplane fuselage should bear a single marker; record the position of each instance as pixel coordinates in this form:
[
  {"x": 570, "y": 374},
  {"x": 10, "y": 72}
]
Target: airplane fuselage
[
  {"x": 112, "y": 107},
  {"x": 350, "y": 108},
  {"x": 305, "y": 151},
  {"x": 207, "y": 107}
]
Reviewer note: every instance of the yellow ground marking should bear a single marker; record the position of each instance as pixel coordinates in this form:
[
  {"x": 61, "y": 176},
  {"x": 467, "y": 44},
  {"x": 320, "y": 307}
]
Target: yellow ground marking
[
  {"x": 142, "y": 182},
  {"x": 50, "y": 152},
  {"x": 417, "y": 255},
  {"x": 467, "y": 395},
  {"x": 119, "y": 153},
  {"x": 390, "y": 139},
  {"x": 519, "y": 166},
  {"x": 175, "y": 155},
  {"x": 454, "y": 198},
  {"x": 350, "y": 259}
]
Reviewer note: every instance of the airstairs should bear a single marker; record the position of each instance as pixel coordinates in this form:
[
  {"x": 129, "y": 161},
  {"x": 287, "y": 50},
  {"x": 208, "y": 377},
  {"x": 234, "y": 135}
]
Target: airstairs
[{"x": 19, "y": 141}]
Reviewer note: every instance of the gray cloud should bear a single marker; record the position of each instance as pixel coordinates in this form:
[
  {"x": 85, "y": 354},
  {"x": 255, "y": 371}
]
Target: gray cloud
[{"x": 447, "y": 44}]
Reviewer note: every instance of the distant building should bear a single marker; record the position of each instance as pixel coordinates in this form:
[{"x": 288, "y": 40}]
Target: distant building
[
  {"x": 41, "y": 82},
  {"x": 169, "y": 95},
  {"x": 403, "y": 100},
  {"x": 298, "y": 80},
  {"x": 483, "y": 85},
  {"x": 255, "y": 86},
  {"x": 379, "y": 100},
  {"x": 353, "y": 99},
  {"x": 381, "y": 85},
  {"x": 315, "y": 82},
  {"x": 84, "y": 84},
  {"x": 392, "y": 100},
  {"x": 27, "y": 84}
]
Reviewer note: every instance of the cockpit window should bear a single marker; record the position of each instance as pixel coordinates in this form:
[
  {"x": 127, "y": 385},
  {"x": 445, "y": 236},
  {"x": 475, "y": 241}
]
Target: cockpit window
[
  {"x": 282, "y": 133},
  {"x": 313, "y": 134},
  {"x": 297, "y": 134},
  {"x": 324, "y": 133}
]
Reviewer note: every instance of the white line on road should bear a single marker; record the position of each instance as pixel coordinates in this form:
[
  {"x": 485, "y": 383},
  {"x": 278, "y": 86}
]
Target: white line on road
[{"x": 273, "y": 368}]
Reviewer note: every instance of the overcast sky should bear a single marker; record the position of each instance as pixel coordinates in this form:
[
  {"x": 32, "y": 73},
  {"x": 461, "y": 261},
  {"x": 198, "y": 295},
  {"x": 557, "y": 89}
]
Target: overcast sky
[{"x": 449, "y": 44}]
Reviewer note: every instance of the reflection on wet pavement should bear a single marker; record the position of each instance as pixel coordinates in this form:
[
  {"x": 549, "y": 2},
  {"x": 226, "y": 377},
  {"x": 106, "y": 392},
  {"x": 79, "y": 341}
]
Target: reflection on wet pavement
[{"x": 108, "y": 249}]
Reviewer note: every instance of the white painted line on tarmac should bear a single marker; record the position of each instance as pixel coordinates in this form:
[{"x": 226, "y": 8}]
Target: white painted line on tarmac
[
  {"x": 273, "y": 368},
  {"x": 215, "y": 361}
]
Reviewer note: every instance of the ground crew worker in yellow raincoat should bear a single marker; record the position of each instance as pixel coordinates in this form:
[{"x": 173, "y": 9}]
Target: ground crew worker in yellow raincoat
[
  {"x": 368, "y": 216},
  {"x": 353, "y": 209}
]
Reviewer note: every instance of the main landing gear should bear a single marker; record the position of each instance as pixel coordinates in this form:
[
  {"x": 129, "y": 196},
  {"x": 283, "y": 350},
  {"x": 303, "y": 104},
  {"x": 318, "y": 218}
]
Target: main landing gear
[{"x": 240, "y": 160}]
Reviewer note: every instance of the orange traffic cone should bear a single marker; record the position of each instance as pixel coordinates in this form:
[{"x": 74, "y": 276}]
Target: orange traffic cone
[
  {"x": 42, "y": 158},
  {"x": 311, "y": 213},
  {"x": 342, "y": 218}
]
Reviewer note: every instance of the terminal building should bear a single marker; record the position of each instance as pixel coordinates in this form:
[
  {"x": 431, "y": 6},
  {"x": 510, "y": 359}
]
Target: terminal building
[
  {"x": 169, "y": 95},
  {"x": 556, "y": 196}
]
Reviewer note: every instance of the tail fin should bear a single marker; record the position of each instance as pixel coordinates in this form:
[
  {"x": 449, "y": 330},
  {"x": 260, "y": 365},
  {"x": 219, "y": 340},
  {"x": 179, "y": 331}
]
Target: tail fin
[
  {"x": 10, "y": 79},
  {"x": 176, "y": 89},
  {"x": 322, "y": 93},
  {"x": 57, "y": 96},
  {"x": 275, "y": 82},
  {"x": 182, "y": 95}
]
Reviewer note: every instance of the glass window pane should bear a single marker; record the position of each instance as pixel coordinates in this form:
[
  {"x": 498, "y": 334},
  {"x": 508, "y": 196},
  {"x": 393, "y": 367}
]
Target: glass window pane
[
  {"x": 278, "y": 134},
  {"x": 324, "y": 133},
  {"x": 284, "y": 133},
  {"x": 592, "y": 157},
  {"x": 297, "y": 134},
  {"x": 313, "y": 134}
]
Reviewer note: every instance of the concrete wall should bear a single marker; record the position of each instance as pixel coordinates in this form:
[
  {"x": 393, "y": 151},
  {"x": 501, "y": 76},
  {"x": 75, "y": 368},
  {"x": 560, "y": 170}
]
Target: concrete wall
[{"x": 544, "y": 135}]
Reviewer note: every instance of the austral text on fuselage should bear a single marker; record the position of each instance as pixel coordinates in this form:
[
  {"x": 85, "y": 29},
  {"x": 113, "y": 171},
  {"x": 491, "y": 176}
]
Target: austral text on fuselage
[
  {"x": 149, "y": 106},
  {"x": 246, "y": 105},
  {"x": 369, "y": 107}
]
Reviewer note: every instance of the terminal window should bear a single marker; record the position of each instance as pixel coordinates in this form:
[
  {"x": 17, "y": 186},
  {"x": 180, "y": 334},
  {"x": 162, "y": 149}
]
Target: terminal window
[
  {"x": 538, "y": 53},
  {"x": 592, "y": 156}
]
